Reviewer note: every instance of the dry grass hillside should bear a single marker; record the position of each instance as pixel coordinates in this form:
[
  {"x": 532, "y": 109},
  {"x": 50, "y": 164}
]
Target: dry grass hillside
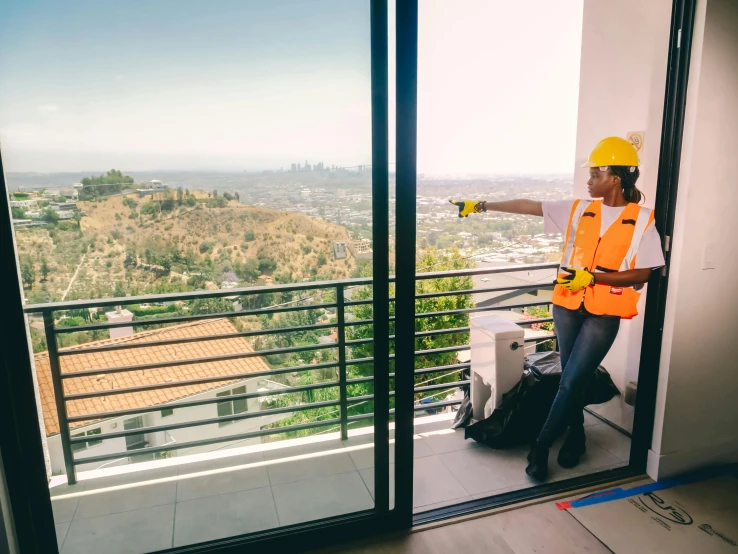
[{"x": 130, "y": 246}]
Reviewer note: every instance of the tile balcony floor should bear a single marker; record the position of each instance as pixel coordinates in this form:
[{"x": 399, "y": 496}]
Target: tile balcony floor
[{"x": 190, "y": 499}]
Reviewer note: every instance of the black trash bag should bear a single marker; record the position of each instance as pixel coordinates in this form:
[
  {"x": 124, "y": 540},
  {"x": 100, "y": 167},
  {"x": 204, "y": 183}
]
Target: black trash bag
[
  {"x": 544, "y": 362},
  {"x": 599, "y": 388},
  {"x": 524, "y": 409},
  {"x": 464, "y": 415}
]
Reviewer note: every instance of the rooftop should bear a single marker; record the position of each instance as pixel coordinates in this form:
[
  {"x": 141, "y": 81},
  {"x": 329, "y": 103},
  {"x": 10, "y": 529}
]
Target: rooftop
[{"x": 144, "y": 355}]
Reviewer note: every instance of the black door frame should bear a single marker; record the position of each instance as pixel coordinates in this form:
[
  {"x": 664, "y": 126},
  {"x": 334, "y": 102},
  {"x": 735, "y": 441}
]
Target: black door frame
[
  {"x": 20, "y": 442},
  {"x": 405, "y": 253},
  {"x": 675, "y": 100},
  {"x": 21, "y": 447}
]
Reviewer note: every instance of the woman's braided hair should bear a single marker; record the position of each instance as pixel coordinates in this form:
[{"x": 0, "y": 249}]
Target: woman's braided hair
[{"x": 628, "y": 177}]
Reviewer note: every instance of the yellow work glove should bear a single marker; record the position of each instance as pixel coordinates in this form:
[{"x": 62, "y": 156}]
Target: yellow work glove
[
  {"x": 576, "y": 279},
  {"x": 468, "y": 206}
]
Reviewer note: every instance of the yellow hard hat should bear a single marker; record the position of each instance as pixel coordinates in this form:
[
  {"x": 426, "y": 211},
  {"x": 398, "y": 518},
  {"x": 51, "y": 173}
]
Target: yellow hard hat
[{"x": 613, "y": 151}]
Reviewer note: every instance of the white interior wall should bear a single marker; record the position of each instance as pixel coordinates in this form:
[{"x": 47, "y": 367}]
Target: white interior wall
[
  {"x": 621, "y": 89},
  {"x": 696, "y": 409}
]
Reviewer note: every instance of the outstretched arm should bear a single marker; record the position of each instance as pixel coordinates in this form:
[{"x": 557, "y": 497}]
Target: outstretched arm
[{"x": 521, "y": 206}]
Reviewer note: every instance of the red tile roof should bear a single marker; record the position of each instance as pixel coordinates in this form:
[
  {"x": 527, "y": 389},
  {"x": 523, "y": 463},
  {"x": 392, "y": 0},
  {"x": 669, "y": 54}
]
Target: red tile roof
[{"x": 134, "y": 356}]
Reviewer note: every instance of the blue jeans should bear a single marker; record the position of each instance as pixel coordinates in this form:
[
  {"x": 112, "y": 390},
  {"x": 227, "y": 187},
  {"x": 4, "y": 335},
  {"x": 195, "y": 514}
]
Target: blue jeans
[{"x": 584, "y": 340}]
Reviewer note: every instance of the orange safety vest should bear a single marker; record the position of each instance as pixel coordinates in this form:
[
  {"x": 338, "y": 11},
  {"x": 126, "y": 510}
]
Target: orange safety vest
[{"x": 615, "y": 251}]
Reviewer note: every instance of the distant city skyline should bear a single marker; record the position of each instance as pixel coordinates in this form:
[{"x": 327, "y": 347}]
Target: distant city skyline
[{"x": 231, "y": 86}]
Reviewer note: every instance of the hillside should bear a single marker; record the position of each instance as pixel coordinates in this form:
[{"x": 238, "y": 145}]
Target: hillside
[{"x": 130, "y": 245}]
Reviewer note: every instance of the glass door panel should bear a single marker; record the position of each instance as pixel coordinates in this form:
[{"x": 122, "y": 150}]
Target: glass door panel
[{"x": 195, "y": 190}]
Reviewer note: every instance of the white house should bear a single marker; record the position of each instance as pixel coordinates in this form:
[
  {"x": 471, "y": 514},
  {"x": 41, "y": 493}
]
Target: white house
[
  {"x": 25, "y": 204},
  {"x": 63, "y": 206},
  {"x": 137, "y": 405},
  {"x": 339, "y": 250}
]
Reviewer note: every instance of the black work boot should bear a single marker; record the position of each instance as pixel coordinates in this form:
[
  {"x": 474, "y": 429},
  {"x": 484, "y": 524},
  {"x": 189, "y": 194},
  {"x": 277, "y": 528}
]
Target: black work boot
[
  {"x": 573, "y": 448},
  {"x": 538, "y": 462}
]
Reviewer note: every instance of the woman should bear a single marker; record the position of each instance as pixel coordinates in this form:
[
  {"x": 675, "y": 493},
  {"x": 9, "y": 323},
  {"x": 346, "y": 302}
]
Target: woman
[{"x": 610, "y": 249}]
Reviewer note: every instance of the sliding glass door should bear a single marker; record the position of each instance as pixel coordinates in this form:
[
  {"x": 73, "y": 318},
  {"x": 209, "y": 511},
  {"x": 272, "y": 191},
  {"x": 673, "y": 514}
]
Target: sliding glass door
[{"x": 209, "y": 321}]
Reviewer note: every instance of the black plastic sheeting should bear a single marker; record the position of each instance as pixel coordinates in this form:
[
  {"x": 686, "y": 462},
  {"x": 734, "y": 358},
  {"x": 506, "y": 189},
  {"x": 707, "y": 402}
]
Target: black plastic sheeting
[{"x": 525, "y": 408}]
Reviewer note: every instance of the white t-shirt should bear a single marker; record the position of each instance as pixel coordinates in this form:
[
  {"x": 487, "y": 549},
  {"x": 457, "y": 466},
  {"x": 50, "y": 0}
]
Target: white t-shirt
[{"x": 556, "y": 219}]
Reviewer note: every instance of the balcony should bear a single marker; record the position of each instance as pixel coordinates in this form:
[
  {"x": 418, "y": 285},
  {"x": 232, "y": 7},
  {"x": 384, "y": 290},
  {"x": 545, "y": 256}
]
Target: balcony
[{"x": 187, "y": 428}]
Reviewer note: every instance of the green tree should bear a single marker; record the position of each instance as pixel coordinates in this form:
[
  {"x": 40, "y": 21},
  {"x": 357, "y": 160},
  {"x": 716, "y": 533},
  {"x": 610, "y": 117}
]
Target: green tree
[
  {"x": 28, "y": 272},
  {"x": 18, "y": 213},
  {"x": 119, "y": 291},
  {"x": 430, "y": 260},
  {"x": 166, "y": 262},
  {"x": 50, "y": 216},
  {"x": 112, "y": 182},
  {"x": 130, "y": 260},
  {"x": 188, "y": 259},
  {"x": 267, "y": 265},
  {"x": 248, "y": 271},
  {"x": 249, "y": 235},
  {"x": 167, "y": 205},
  {"x": 210, "y": 306},
  {"x": 44, "y": 270}
]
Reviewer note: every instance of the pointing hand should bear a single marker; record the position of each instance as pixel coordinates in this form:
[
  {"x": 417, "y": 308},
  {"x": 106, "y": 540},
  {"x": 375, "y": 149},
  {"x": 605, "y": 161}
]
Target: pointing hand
[{"x": 468, "y": 206}]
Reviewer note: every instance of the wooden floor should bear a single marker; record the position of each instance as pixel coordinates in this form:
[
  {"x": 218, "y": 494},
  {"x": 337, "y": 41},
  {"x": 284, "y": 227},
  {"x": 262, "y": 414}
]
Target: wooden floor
[
  {"x": 542, "y": 528},
  {"x": 700, "y": 514}
]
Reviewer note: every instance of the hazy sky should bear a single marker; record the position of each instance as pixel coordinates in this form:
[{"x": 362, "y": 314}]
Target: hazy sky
[{"x": 234, "y": 85}]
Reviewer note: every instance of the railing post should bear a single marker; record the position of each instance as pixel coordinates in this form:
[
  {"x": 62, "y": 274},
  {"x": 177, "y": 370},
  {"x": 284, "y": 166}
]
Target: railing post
[
  {"x": 61, "y": 406},
  {"x": 341, "y": 320}
]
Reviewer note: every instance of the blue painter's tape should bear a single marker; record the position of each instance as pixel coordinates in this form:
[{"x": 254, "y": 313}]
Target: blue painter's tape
[{"x": 618, "y": 494}]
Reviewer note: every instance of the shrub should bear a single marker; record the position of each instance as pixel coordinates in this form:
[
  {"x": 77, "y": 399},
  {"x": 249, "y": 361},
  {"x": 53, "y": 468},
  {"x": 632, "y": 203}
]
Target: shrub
[
  {"x": 71, "y": 322},
  {"x": 138, "y": 311},
  {"x": 267, "y": 264}
]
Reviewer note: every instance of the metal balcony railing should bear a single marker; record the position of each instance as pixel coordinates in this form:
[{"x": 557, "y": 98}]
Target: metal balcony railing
[{"x": 343, "y": 319}]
